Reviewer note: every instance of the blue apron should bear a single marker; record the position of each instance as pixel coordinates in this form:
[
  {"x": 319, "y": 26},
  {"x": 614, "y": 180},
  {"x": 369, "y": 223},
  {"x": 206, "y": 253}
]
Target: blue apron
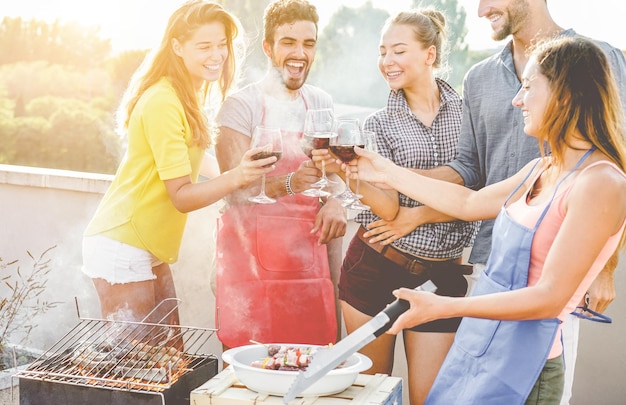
[{"x": 492, "y": 361}]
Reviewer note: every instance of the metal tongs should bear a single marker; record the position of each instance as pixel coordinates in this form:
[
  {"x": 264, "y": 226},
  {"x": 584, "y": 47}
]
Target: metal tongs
[{"x": 327, "y": 359}]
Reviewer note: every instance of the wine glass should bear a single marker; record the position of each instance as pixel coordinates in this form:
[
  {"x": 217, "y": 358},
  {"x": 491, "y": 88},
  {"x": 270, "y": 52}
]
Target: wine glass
[
  {"x": 369, "y": 137},
  {"x": 348, "y": 132},
  {"x": 318, "y": 130},
  {"x": 270, "y": 139}
]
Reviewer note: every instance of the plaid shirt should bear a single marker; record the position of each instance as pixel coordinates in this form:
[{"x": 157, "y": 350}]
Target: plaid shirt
[{"x": 403, "y": 138}]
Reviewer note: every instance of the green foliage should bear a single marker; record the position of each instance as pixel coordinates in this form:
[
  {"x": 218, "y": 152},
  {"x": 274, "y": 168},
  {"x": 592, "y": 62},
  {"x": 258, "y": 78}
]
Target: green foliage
[
  {"x": 21, "y": 300},
  {"x": 121, "y": 68},
  {"x": 250, "y": 13},
  {"x": 60, "y": 85},
  {"x": 68, "y": 44},
  {"x": 20, "y": 139},
  {"x": 67, "y": 121},
  {"x": 61, "y": 133},
  {"x": 458, "y": 55},
  {"x": 41, "y": 78},
  {"x": 6, "y": 105}
]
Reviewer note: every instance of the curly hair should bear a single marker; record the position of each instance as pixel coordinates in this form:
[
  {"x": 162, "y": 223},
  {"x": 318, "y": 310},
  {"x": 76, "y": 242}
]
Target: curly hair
[{"x": 284, "y": 12}]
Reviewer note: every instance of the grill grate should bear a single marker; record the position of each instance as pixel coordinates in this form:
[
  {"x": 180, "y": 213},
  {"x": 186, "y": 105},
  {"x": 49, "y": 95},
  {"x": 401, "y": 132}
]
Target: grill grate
[{"x": 122, "y": 355}]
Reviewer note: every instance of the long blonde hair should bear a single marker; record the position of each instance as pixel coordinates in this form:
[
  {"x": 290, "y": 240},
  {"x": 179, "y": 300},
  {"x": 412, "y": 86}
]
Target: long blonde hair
[{"x": 162, "y": 62}]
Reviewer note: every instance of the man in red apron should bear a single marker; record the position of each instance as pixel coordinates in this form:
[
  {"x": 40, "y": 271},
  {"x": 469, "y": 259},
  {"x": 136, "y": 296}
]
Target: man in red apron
[{"x": 272, "y": 280}]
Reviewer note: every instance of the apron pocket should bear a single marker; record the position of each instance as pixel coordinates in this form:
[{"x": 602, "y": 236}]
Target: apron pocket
[
  {"x": 285, "y": 244},
  {"x": 475, "y": 335}
]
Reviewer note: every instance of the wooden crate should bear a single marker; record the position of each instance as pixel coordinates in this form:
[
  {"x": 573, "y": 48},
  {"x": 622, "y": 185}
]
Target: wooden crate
[{"x": 225, "y": 389}]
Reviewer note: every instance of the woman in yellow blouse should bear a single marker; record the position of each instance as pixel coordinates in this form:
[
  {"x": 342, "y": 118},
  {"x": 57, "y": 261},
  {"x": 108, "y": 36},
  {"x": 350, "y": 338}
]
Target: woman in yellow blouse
[{"x": 137, "y": 229}]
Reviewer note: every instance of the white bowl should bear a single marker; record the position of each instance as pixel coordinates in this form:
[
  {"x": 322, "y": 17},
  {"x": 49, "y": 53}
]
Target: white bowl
[{"x": 275, "y": 382}]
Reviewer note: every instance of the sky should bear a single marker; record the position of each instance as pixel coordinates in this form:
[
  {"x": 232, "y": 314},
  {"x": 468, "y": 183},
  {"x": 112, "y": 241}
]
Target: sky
[{"x": 138, "y": 24}]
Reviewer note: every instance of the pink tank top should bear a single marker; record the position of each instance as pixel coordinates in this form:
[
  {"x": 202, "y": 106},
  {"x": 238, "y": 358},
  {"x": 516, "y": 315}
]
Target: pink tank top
[{"x": 528, "y": 215}]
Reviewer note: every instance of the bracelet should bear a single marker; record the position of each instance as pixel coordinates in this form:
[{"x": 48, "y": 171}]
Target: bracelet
[{"x": 288, "y": 184}]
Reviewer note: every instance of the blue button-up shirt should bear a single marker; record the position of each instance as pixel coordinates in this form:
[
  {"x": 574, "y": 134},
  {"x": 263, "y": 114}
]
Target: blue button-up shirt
[{"x": 492, "y": 144}]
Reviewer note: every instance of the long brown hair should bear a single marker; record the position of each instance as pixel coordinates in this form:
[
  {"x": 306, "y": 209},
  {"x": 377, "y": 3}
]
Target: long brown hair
[
  {"x": 162, "y": 62},
  {"x": 584, "y": 98}
]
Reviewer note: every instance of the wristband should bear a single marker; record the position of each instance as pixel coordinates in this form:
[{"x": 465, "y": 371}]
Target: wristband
[{"x": 288, "y": 184}]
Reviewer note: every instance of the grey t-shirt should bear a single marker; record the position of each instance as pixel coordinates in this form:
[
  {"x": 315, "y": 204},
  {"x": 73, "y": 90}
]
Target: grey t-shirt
[
  {"x": 249, "y": 107},
  {"x": 492, "y": 143}
]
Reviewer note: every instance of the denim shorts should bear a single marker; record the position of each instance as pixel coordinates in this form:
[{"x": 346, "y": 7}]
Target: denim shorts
[
  {"x": 116, "y": 262},
  {"x": 368, "y": 279},
  {"x": 548, "y": 388}
]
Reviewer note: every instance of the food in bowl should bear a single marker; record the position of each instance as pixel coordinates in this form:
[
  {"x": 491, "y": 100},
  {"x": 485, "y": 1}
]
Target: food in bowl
[
  {"x": 287, "y": 358},
  {"x": 278, "y": 382}
]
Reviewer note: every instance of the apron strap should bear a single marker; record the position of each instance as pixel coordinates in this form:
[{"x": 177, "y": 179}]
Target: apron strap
[
  {"x": 576, "y": 166},
  {"x": 532, "y": 169},
  {"x": 545, "y": 211}
]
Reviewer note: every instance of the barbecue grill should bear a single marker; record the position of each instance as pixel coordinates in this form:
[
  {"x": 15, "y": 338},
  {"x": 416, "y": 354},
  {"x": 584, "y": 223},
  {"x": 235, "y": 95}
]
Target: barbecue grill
[{"x": 120, "y": 362}]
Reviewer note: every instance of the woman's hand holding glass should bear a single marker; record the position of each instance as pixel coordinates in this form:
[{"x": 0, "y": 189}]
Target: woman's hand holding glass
[
  {"x": 251, "y": 169},
  {"x": 370, "y": 167}
]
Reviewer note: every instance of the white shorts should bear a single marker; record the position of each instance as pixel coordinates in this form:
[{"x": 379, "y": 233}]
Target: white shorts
[{"x": 116, "y": 262}]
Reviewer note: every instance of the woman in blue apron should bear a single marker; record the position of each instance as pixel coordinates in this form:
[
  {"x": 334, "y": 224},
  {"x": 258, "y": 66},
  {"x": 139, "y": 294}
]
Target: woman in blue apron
[{"x": 559, "y": 220}]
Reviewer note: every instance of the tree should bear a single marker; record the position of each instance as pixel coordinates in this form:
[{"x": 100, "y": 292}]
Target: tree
[
  {"x": 62, "y": 133},
  {"x": 346, "y": 61},
  {"x": 250, "y": 13},
  {"x": 122, "y": 66},
  {"x": 24, "y": 144},
  {"x": 19, "y": 110},
  {"x": 41, "y": 78},
  {"x": 6, "y": 104},
  {"x": 83, "y": 141},
  {"x": 65, "y": 44}
]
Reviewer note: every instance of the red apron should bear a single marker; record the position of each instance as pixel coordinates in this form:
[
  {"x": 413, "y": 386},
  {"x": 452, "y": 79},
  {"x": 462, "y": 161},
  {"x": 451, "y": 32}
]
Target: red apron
[{"x": 273, "y": 282}]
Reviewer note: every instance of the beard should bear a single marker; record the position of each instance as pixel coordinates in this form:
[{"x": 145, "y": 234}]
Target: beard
[
  {"x": 295, "y": 84},
  {"x": 517, "y": 13},
  {"x": 290, "y": 82}
]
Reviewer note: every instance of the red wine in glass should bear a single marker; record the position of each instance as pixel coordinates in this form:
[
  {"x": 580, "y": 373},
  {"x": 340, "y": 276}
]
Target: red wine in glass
[
  {"x": 318, "y": 130},
  {"x": 265, "y": 154},
  {"x": 270, "y": 139},
  {"x": 315, "y": 140},
  {"x": 345, "y": 153}
]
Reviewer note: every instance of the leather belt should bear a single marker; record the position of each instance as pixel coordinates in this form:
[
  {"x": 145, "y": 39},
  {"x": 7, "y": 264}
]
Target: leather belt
[{"x": 413, "y": 264}]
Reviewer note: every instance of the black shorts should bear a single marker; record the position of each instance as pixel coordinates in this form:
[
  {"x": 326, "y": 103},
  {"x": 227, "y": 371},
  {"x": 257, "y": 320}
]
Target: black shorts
[{"x": 368, "y": 279}]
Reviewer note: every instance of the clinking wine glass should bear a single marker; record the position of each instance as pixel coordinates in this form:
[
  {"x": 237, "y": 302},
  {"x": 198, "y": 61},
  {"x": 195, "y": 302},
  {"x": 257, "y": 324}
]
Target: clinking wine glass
[
  {"x": 270, "y": 139},
  {"x": 318, "y": 130},
  {"x": 348, "y": 133},
  {"x": 369, "y": 137}
]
